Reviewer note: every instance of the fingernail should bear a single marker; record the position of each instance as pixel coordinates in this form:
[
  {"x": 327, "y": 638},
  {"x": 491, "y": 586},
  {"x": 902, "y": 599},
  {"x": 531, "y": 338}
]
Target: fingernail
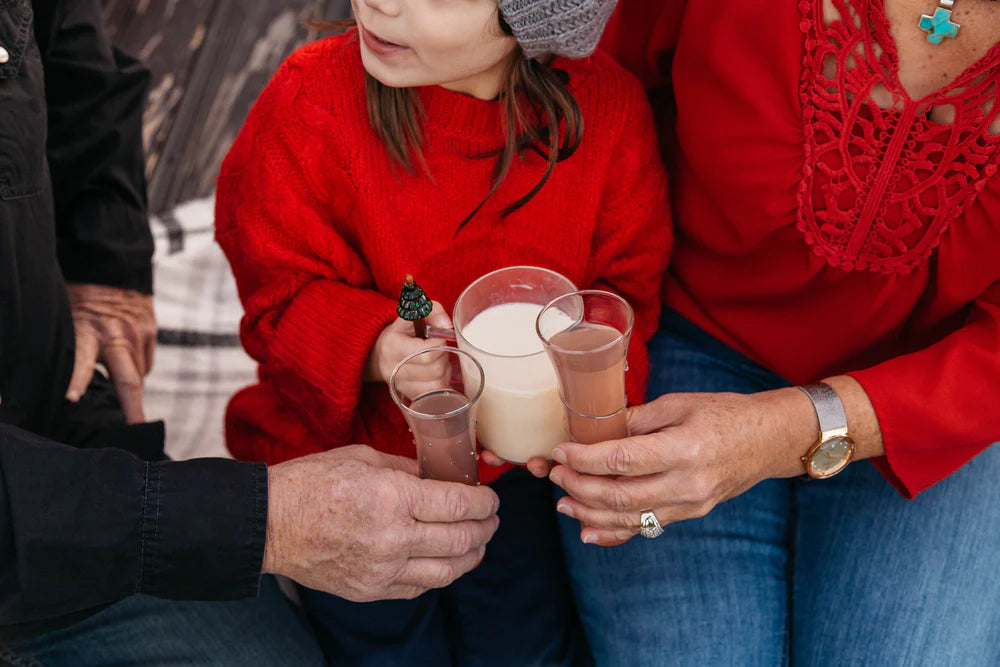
[
  {"x": 556, "y": 478},
  {"x": 72, "y": 397},
  {"x": 559, "y": 456},
  {"x": 564, "y": 508},
  {"x": 589, "y": 538}
]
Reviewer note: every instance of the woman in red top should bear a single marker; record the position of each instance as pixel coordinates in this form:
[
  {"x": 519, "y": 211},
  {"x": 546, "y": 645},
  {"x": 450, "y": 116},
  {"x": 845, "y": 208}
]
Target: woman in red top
[
  {"x": 329, "y": 198},
  {"x": 838, "y": 220}
]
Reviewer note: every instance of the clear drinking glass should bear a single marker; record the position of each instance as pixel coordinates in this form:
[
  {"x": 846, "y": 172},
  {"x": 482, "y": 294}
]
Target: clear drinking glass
[
  {"x": 443, "y": 420},
  {"x": 586, "y": 335},
  {"x": 520, "y": 415}
]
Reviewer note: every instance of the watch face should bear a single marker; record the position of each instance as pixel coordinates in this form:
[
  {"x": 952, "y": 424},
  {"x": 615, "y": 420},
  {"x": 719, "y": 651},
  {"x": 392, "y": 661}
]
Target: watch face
[{"x": 831, "y": 457}]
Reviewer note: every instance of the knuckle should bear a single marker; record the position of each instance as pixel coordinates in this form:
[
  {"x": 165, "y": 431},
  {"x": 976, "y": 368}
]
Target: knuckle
[
  {"x": 369, "y": 579},
  {"x": 702, "y": 489},
  {"x": 618, "y": 498},
  {"x": 442, "y": 575},
  {"x": 463, "y": 542},
  {"x": 702, "y": 510},
  {"x": 391, "y": 544},
  {"x": 627, "y": 523},
  {"x": 620, "y": 459},
  {"x": 691, "y": 454},
  {"x": 458, "y": 503},
  {"x": 130, "y": 383}
]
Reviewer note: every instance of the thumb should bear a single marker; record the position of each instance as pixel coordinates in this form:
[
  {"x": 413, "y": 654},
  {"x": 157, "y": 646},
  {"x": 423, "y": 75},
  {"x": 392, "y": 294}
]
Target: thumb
[
  {"x": 400, "y": 463},
  {"x": 439, "y": 317},
  {"x": 651, "y": 417}
]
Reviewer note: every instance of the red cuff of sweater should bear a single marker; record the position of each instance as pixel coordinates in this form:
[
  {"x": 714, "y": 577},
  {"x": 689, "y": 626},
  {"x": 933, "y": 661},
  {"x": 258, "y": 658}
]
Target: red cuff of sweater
[
  {"x": 322, "y": 347},
  {"x": 311, "y": 382},
  {"x": 917, "y": 456}
]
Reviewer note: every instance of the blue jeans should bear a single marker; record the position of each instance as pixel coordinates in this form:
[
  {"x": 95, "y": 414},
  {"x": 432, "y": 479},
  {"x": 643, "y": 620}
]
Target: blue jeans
[
  {"x": 836, "y": 572},
  {"x": 514, "y": 610},
  {"x": 152, "y": 632}
]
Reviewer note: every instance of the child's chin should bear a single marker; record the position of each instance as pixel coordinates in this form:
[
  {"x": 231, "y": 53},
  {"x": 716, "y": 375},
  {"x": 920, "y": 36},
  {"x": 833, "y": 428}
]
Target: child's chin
[{"x": 387, "y": 77}]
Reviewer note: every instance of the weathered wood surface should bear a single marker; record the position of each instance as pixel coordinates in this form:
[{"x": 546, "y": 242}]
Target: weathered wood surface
[{"x": 210, "y": 60}]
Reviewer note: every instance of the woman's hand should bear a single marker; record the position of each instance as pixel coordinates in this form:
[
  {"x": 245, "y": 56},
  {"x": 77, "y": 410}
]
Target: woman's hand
[
  {"x": 118, "y": 328},
  {"x": 398, "y": 341},
  {"x": 687, "y": 454}
]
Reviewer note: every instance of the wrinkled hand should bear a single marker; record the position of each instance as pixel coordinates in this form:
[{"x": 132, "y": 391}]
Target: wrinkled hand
[
  {"x": 361, "y": 525},
  {"x": 687, "y": 453},
  {"x": 398, "y": 341},
  {"x": 118, "y": 328}
]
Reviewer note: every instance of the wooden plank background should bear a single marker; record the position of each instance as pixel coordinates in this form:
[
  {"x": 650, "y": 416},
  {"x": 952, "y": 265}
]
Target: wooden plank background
[{"x": 210, "y": 60}]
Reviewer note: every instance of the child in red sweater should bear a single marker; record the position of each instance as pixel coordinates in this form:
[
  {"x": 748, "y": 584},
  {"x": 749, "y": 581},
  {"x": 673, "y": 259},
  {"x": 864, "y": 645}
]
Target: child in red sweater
[{"x": 443, "y": 139}]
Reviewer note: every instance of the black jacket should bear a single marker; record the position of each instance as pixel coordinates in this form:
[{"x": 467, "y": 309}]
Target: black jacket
[{"x": 84, "y": 527}]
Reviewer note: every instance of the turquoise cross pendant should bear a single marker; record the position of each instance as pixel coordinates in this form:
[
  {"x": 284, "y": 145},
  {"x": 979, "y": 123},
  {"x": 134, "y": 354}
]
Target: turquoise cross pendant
[{"x": 939, "y": 25}]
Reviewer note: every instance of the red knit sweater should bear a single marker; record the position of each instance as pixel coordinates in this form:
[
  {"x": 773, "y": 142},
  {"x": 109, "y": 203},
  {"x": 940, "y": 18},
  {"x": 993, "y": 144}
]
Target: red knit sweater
[
  {"x": 821, "y": 234},
  {"x": 320, "y": 228}
]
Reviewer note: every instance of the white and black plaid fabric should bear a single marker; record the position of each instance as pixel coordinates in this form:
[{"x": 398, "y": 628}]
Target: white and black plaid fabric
[{"x": 199, "y": 361}]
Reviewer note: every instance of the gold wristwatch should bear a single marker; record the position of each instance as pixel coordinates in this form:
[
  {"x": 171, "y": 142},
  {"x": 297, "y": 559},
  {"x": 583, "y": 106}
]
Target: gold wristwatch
[{"x": 834, "y": 449}]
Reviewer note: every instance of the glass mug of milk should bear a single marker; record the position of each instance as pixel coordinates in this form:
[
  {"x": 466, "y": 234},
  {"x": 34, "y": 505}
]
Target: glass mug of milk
[{"x": 520, "y": 413}]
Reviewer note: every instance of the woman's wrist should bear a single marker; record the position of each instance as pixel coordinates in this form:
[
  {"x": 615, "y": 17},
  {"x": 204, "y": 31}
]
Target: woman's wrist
[
  {"x": 792, "y": 426},
  {"x": 862, "y": 422}
]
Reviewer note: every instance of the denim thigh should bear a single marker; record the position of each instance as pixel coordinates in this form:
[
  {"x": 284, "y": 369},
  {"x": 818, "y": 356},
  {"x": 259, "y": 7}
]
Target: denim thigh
[
  {"x": 710, "y": 591},
  {"x": 880, "y": 580},
  {"x": 143, "y": 630},
  {"x": 836, "y": 572}
]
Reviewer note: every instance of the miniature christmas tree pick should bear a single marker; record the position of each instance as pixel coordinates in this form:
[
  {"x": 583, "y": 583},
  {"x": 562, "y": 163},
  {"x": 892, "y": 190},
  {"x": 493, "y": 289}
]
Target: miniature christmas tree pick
[{"x": 414, "y": 306}]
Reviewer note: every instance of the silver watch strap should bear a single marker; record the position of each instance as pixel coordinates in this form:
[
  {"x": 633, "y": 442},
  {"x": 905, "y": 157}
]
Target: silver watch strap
[{"x": 829, "y": 409}]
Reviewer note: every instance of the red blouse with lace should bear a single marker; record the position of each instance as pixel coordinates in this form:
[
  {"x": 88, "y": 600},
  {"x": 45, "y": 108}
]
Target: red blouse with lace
[{"x": 827, "y": 222}]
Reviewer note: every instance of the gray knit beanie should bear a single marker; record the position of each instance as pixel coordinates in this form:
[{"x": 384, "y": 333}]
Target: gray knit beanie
[{"x": 570, "y": 28}]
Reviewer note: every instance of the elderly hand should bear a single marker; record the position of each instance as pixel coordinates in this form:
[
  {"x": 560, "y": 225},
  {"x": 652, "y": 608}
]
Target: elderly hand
[
  {"x": 687, "y": 453},
  {"x": 361, "y": 525},
  {"x": 118, "y": 328},
  {"x": 397, "y": 342}
]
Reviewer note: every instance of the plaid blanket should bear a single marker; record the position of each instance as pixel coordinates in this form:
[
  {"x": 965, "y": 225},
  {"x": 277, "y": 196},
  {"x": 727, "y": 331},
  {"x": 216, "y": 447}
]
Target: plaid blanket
[{"x": 199, "y": 361}]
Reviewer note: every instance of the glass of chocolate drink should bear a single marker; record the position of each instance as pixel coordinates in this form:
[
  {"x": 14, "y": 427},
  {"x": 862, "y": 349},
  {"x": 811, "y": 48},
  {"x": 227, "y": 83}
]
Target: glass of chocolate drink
[
  {"x": 586, "y": 335},
  {"x": 442, "y": 417}
]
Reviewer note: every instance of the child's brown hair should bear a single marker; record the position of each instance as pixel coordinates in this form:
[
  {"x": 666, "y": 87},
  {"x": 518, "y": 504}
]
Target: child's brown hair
[{"x": 539, "y": 114}]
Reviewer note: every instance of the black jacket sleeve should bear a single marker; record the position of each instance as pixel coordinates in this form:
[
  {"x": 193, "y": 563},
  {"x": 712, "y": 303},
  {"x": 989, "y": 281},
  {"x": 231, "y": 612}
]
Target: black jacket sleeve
[
  {"x": 80, "y": 529},
  {"x": 96, "y": 97}
]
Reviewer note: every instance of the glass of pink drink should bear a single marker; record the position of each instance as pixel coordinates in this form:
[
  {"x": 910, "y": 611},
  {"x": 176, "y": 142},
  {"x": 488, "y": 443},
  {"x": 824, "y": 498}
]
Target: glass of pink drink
[
  {"x": 443, "y": 417},
  {"x": 586, "y": 335}
]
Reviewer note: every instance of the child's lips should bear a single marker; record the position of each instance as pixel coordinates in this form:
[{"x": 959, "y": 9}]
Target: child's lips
[{"x": 378, "y": 45}]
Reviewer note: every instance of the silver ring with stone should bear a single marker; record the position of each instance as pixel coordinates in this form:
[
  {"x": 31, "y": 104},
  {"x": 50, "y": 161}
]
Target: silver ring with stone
[{"x": 649, "y": 527}]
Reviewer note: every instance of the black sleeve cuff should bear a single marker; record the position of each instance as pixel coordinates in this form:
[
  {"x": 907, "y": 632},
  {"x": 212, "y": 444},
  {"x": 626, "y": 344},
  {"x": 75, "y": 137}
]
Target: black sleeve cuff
[
  {"x": 203, "y": 529},
  {"x": 116, "y": 250}
]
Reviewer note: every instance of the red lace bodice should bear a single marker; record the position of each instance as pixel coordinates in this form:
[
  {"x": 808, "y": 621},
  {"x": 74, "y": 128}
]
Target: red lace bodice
[{"x": 881, "y": 185}]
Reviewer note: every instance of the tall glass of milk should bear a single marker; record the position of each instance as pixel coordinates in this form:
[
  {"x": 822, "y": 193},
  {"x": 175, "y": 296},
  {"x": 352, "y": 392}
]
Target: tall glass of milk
[{"x": 520, "y": 413}]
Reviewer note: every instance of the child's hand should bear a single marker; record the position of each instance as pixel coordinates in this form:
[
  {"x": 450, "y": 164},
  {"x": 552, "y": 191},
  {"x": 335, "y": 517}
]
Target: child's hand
[
  {"x": 537, "y": 466},
  {"x": 396, "y": 342}
]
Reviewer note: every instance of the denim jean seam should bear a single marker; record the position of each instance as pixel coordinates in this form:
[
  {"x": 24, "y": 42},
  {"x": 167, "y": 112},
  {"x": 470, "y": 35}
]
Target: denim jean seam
[
  {"x": 142, "y": 529},
  {"x": 792, "y": 548},
  {"x": 12, "y": 659},
  {"x": 156, "y": 520}
]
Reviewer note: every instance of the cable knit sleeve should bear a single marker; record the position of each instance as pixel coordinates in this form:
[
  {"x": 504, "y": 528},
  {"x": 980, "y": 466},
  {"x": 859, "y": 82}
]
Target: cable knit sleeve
[
  {"x": 946, "y": 412},
  {"x": 312, "y": 313},
  {"x": 634, "y": 235}
]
